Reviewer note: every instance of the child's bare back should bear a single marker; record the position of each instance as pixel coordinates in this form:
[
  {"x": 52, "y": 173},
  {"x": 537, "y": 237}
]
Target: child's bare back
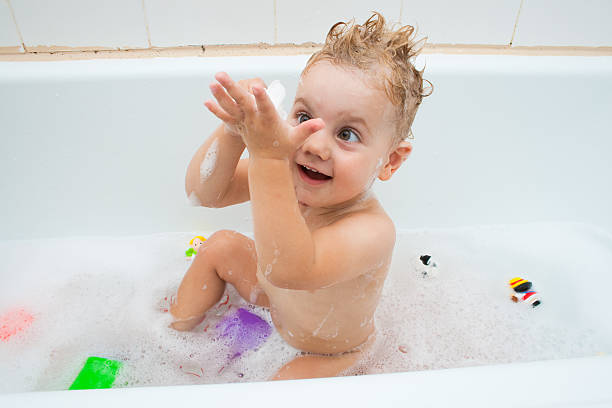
[{"x": 323, "y": 243}]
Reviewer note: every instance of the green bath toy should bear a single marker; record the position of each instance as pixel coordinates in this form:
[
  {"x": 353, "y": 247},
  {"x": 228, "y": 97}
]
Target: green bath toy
[{"x": 96, "y": 373}]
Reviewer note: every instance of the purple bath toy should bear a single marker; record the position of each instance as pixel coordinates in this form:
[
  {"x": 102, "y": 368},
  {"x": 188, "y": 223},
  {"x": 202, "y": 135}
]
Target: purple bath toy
[{"x": 243, "y": 331}]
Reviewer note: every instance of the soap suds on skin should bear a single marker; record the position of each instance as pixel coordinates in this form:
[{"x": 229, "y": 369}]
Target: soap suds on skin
[
  {"x": 379, "y": 165},
  {"x": 331, "y": 309},
  {"x": 194, "y": 200},
  {"x": 268, "y": 270},
  {"x": 254, "y": 294},
  {"x": 276, "y": 92},
  {"x": 210, "y": 160}
]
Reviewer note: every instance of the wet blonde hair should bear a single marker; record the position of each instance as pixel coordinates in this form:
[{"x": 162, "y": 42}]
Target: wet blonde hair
[{"x": 371, "y": 45}]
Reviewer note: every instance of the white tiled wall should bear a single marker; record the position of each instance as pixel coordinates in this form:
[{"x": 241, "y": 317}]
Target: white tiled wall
[
  {"x": 197, "y": 22},
  {"x": 300, "y": 22},
  {"x": 165, "y": 23},
  {"x": 554, "y": 22},
  {"x": 8, "y": 31},
  {"x": 463, "y": 22},
  {"x": 81, "y": 23}
]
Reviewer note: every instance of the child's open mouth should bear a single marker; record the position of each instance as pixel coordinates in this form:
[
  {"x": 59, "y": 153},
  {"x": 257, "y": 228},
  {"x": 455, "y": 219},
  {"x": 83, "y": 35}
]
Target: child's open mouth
[{"x": 312, "y": 176}]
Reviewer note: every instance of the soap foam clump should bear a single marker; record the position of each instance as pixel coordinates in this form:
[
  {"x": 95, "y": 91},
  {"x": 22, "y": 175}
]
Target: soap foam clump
[
  {"x": 101, "y": 297},
  {"x": 210, "y": 160}
]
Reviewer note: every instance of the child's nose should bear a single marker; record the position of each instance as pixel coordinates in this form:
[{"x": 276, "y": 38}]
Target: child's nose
[{"x": 318, "y": 144}]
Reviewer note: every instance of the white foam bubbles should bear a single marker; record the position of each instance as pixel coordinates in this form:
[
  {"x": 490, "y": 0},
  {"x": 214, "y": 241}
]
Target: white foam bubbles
[
  {"x": 106, "y": 302},
  {"x": 210, "y": 160},
  {"x": 100, "y": 296},
  {"x": 194, "y": 200},
  {"x": 462, "y": 315}
]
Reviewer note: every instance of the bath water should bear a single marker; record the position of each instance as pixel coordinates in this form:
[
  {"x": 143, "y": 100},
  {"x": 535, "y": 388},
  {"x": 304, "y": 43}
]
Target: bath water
[{"x": 104, "y": 297}]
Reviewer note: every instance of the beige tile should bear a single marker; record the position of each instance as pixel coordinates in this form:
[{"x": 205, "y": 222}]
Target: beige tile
[
  {"x": 565, "y": 22},
  {"x": 81, "y": 23},
  {"x": 193, "y": 22},
  {"x": 300, "y": 22},
  {"x": 462, "y": 22},
  {"x": 9, "y": 37}
]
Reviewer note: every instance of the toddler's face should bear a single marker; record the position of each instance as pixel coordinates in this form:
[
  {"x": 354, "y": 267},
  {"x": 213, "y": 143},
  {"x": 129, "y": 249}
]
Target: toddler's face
[{"x": 350, "y": 150}]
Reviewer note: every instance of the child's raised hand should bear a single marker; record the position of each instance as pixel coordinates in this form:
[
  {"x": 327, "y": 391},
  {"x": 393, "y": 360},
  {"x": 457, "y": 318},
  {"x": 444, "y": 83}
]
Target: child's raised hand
[
  {"x": 226, "y": 109},
  {"x": 262, "y": 129}
]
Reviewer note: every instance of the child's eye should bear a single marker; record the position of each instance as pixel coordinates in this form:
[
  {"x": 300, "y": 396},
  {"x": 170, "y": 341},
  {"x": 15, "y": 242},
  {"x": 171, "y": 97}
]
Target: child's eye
[
  {"x": 348, "y": 135},
  {"x": 302, "y": 117}
]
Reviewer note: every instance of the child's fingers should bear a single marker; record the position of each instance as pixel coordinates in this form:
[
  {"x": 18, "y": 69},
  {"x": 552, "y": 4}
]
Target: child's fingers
[
  {"x": 256, "y": 81},
  {"x": 300, "y": 133},
  {"x": 218, "y": 111},
  {"x": 224, "y": 100},
  {"x": 264, "y": 104},
  {"x": 242, "y": 97}
]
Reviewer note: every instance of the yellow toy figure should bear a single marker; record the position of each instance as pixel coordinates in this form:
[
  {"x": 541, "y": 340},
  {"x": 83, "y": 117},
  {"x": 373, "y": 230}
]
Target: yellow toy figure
[
  {"x": 521, "y": 292},
  {"x": 195, "y": 244}
]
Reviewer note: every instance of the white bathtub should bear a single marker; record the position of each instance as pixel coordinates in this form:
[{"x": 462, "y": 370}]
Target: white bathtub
[{"x": 101, "y": 147}]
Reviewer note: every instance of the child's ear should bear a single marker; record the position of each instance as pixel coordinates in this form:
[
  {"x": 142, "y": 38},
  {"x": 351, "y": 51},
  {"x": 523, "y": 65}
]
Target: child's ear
[{"x": 395, "y": 160}]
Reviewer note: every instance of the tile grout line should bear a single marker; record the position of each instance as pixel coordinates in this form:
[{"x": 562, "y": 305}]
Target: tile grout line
[
  {"x": 146, "y": 21},
  {"x": 262, "y": 49},
  {"x": 275, "y": 22},
  {"x": 401, "y": 11},
  {"x": 518, "y": 15},
  {"x": 8, "y": 3}
]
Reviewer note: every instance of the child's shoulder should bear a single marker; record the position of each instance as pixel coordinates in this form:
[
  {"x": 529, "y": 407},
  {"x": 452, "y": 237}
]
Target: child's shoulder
[
  {"x": 372, "y": 220},
  {"x": 351, "y": 246},
  {"x": 368, "y": 227}
]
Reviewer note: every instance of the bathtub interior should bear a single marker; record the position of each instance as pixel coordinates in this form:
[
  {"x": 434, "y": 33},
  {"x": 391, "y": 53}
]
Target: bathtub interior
[
  {"x": 507, "y": 179},
  {"x": 101, "y": 147},
  {"x": 105, "y": 297}
]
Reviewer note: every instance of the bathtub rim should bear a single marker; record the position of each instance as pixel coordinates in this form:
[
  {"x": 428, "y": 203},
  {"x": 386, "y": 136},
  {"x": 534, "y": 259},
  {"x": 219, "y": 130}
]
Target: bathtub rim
[
  {"x": 500, "y": 64},
  {"x": 567, "y": 382}
]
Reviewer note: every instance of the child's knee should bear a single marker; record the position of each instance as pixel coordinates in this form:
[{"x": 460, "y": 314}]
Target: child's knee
[
  {"x": 223, "y": 240},
  {"x": 217, "y": 246}
]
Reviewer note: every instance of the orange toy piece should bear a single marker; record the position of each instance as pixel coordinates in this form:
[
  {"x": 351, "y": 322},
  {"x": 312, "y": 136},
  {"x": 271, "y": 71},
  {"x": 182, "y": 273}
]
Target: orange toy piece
[{"x": 14, "y": 321}]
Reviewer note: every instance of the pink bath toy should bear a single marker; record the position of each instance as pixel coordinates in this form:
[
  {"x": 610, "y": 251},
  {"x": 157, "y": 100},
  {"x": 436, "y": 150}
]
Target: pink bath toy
[{"x": 14, "y": 321}]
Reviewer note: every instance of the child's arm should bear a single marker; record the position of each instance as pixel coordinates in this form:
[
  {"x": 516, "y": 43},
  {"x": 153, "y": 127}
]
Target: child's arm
[
  {"x": 289, "y": 255},
  {"x": 292, "y": 257},
  {"x": 216, "y": 175},
  {"x": 284, "y": 244}
]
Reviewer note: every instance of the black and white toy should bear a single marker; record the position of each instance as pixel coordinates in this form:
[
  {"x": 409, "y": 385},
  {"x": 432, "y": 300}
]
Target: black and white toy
[{"x": 430, "y": 266}]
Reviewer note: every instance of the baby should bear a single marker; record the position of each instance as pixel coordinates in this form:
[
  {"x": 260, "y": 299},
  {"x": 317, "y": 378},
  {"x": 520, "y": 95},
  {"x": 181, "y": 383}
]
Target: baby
[{"x": 323, "y": 243}]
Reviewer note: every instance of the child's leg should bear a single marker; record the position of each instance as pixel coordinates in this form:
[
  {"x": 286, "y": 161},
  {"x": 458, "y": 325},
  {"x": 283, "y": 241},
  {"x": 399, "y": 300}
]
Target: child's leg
[
  {"x": 226, "y": 256},
  {"x": 319, "y": 366},
  {"x": 316, "y": 366}
]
